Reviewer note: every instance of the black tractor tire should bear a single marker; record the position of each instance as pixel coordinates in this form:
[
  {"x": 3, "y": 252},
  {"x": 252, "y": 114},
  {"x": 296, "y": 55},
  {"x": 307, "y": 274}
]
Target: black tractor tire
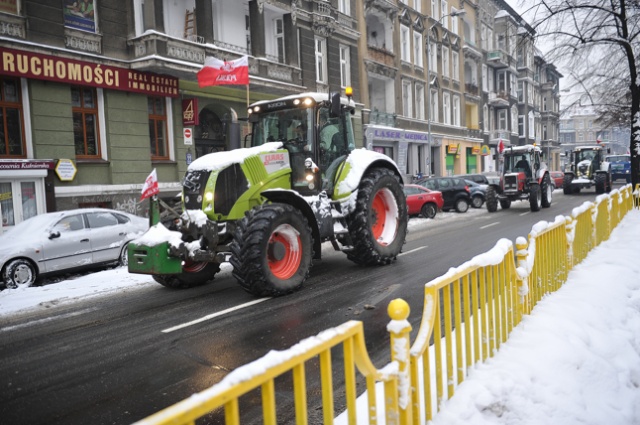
[
  {"x": 193, "y": 274},
  {"x": 566, "y": 185},
  {"x": 378, "y": 225},
  {"x": 601, "y": 183},
  {"x": 428, "y": 210},
  {"x": 272, "y": 250},
  {"x": 462, "y": 205},
  {"x": 535, "y": 197},
  {"x": 609, "y": 183},
  {"x": 20, "y": 273},
  {"x": 477, "y": 201},
  {"x": 546, "y": 191},
  {"x": 505, "y": 204},
  {"x": 492, "y": 199}
]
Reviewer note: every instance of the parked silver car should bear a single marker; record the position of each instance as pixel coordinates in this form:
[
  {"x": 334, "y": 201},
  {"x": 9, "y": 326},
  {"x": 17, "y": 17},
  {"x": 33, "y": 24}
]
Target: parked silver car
[{"x": 65, "y": 241}]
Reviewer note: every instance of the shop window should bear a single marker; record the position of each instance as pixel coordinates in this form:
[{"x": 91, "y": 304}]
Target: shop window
[
  {"x": 158, "y": 128},
  {"x": 85, "y": 122},
  {"x": 11, "y": 140}
]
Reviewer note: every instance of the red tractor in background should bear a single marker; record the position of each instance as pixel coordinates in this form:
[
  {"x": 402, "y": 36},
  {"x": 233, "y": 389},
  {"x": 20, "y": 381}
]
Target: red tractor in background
[{"x": 523, "y": 177}]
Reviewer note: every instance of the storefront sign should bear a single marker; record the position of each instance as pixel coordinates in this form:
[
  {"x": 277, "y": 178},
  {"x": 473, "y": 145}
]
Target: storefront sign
[
  {"x": 66, "y": 170},
  {"x": 26, "y": 164},
  {"x": 53, "y": 68},
  {"x": 9, "y": 6},
  {"x": 484, "y": 151},
  {"x": 190, "y": 112},
  {"x": 452, "y": 149},
  {"x": 409, "y": 136},
  {"x": 475, "y": 150}
]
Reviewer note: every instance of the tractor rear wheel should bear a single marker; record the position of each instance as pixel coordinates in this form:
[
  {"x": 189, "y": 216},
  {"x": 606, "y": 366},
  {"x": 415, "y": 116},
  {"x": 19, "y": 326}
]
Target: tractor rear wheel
[
  {"x": 601, "y": 182},
  {"x": 272, "y": 250},
  {"x": 505, "y": 204},
  {"x": 566, "y": 184},
  {"x": 492, "y": 199},
  {"x": 193, "y": 274},
  {"x": 535, "y": 197},
  {"x": 546, "y": 190},
  {"x": 378, "y": 226}
]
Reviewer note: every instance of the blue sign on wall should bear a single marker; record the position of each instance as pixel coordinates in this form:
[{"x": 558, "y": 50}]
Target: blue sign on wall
[{"x": 189, "y": 158}]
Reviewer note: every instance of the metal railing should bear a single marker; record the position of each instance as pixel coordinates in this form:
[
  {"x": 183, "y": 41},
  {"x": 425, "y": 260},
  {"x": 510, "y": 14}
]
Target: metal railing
[{"x": 468, "y": 313}]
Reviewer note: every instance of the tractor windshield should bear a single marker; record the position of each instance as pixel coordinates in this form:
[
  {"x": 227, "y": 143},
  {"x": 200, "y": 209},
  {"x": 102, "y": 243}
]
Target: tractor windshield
[
  {"x": 283, "y": 126},
  {"x": 586, "y": 155},
  {"x": 518, "y": 163}
]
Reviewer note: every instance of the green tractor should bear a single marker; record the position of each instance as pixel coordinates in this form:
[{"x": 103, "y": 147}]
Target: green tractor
[
  {"x": 588, "y": 167},
  {"x": 268, "y": 208}
]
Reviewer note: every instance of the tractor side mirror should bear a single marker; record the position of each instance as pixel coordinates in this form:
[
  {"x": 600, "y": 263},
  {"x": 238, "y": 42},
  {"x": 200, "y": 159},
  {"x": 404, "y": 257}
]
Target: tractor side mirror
[{"x": 335, "y": 105}]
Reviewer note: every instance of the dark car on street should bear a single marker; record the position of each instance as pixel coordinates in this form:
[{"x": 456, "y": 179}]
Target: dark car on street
[
  {"x": 455, "y": 192},
  {"x": 423, "y": 201},
  {"x": 478, "y": 193},
  {"x": 476, "y": 178}
]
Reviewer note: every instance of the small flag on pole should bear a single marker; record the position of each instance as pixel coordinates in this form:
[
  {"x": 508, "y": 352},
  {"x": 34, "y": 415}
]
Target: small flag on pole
[
  {"x": 500, "y": 146},
  {"x": 218, "y": 72},
  {"x": 150, "y": 187}
]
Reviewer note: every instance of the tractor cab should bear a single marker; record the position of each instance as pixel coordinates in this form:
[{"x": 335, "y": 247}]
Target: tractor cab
[{"x": 315, "y": 130}]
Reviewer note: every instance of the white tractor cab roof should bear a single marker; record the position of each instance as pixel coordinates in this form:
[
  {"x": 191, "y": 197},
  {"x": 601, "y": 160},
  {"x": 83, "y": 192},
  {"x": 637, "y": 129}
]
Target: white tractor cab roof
[
  {"x": 306, "y": 99},
  {"x": 521, "y": 149},
  {"x": 592, "y": 147}
]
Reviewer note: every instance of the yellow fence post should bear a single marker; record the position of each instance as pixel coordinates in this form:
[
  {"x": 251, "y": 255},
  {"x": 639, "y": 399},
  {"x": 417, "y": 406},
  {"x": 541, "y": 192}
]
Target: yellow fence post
[
  {"x": 399, "y": 329},
  {"x": 524, "y": 290}
]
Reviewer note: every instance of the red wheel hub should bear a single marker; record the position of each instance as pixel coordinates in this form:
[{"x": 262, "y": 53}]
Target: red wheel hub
[{"x": 284, "y": 252}]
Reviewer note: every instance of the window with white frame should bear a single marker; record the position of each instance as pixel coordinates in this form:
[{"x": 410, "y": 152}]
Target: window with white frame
[
  {"x": 444, "y": 8},
  {"x": 434, "y": 10},
  {"x": 485, "y": 118},
  {"x": 531, "y": 124},
  {"x": 514, "y": 118},
  {"x": 445, "y": 62},
  {"x": 485, "y": 80},
  {"x": 433, "y": 107},
  {"x": 278, "y": 34},
  {"x": 321, "y": 59},
  {"x": 521, "y": 125},
  {"x": 489, "y": 39},
  {"x": 521, "y": 85},
  {"x": 417, "y": 5},
  {"x": 420, "y": 101},
  {"x": 446, "y": 108},
  {"x": 483, "y": 36},
  {"x": 456, "y": 110},
  {"x": 417, "y": 49},
  {"x": 454, "y": 24},
  {"x": 502, "y": 119},
  {"x": 455, "y": 65},
  {"x": 491, "y": 80},
  {"x": 406, "y": 99},
  {"x": 405, "y": 43},
  {"x": 344, "y": 7},
  {"x": 345, "y": 66},
  {"x": 433, "y": 59}
]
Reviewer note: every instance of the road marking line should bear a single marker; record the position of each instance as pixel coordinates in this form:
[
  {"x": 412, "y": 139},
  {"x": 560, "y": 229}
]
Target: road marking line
[
  {"x": 490, "y": 225},
  {"x": 413, "y": 250},
  {"x": 48, "y": 319},
  {"x": 525, "y": 213},
  {"x": 214, "y": 315}
]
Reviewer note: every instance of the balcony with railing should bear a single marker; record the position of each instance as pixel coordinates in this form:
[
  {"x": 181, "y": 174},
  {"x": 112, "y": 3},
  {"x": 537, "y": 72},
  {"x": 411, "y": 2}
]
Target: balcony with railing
[
  {"x": 496, "y": 135},
  {"x": 498, "y": 58},
  {"x": 382, "y": 118},
  {"x": 499, "y": 99}
]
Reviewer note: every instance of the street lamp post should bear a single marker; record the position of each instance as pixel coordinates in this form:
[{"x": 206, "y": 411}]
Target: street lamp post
[{"x": 454, "y": 13}]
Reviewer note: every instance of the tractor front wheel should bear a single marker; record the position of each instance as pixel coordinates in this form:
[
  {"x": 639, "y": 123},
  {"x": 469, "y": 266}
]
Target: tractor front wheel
[
  {"x": 378, "y": 226},
  {"x": 546, "y": 190},
  {"x": 272, "y": 250},
  {"x": 535, "y": 197},
  {"x": 492, "y": 199},
  {"x": 193, "y": 274},
  {"x": 566, "y": 184}
]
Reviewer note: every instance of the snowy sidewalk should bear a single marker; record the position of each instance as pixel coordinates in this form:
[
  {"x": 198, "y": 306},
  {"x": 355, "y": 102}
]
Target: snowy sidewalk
[{"x": 576, "y": 358}]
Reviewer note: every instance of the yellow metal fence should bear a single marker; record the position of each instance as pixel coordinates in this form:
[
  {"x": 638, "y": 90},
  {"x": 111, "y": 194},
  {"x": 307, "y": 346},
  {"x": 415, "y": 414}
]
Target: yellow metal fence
[{"x": 468, "y": 313}]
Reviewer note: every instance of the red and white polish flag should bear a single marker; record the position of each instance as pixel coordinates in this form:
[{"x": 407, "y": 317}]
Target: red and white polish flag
[
  {"x": 218, "y": 72},
  {"x": 150, "y": 187}
]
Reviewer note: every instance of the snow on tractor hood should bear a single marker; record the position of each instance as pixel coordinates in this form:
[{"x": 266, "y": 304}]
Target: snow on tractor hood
[
  {"x": 359, "y": 161},
  {"x": 220, "y": 160}
]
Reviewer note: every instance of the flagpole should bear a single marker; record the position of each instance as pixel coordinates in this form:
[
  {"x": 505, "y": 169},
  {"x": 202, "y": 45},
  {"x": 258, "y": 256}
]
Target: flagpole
[{"x": 247, "y": 95}]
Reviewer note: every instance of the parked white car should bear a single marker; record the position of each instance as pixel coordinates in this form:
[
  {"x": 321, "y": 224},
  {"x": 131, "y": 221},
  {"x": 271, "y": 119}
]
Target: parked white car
[{"x": 66, "y": 241}]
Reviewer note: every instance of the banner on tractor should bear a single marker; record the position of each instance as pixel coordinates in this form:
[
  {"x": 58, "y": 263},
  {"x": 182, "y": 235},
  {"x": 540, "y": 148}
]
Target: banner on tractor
[
  {"x": 218, "y": 72},
  {"x": 150, "y": 187}
]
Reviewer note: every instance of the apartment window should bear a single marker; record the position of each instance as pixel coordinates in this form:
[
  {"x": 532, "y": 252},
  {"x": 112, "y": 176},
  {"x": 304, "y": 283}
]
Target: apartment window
[
  {"x": 544, "y": 103},
  {"x": 446, "y": 108},
  {"x": 419, "y": 101},
  {"x": 278, "y": 29},
  {"x": 84, "y": 108},
  {"x": 11, "y": 140},
  {"x": 434, "y": 10},
  {"x": 489, "y": 39},
  {"x": 456, "y": 110},
  {"x": 417, "y": 5},
  {"x": 406, "y": 99},
  {"x": 502, "y": 119},
  {"x": 405, "y": 44},
  {"x": 514, "y": 117},
  {"x": 502, "y": 42},
  {"x": 580, "y": 136},
  {"x": 444, "y": 9},
  {"x": 417, "y": 49},
  {"x": 521, "y": 125},
  {"x": 502, "y": 82},
  {"x": 483, "y": 36},
  {"x": 455, "y": 65},
  {"x": 531, "y": 124},
  {"x": 485, "y": 118},
  {"x": 321, "y": 60},
  {"x": 445, "y": 62},
  {"x": 345, "y": 66},
  {"x": 433, "y": 61},
  {"x": 454, "y": 24},
  {"x": 491, "y": 81},
  {"x": 521, "y": 85},
  {"x": 344, "y": 7},
  {"x": 433, "y": 107},
  {"x": 158, "y": 128}
]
